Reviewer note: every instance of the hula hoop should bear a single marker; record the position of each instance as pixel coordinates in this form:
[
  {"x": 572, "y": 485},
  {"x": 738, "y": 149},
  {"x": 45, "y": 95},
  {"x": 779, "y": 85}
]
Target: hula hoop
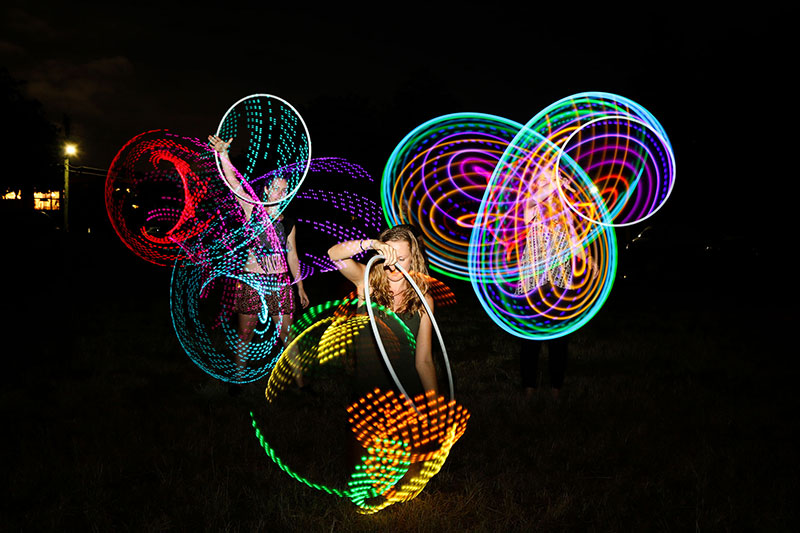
[
  {"x": 289, "y": 194},
  {"x": 671, "y": 169},
  {"x": 381, "y": 348}
]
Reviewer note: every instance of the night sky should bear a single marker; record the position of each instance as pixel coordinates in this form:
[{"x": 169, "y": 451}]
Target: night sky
[
  {"x": 716, "y": 80},
  {"x": 363, "y": 79}
]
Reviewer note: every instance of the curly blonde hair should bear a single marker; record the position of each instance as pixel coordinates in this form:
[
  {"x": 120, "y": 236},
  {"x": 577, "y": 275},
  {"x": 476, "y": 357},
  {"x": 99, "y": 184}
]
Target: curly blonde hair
[{"x": 379, "y": 283}]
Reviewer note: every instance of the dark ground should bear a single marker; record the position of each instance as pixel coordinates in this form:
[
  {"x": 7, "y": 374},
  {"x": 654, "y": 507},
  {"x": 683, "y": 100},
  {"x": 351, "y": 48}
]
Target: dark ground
[{"x": 679, "y": 411}]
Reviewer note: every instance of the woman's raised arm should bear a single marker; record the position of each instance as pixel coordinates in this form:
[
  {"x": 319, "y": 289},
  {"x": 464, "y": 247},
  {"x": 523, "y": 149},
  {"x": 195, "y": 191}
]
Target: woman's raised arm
[{"x": 230, "y": 174}]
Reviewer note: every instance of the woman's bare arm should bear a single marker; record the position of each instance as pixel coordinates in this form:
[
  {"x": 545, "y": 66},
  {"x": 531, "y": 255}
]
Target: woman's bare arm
[
  {"x": 294, "y": 265},
  {"x": 353, "y": 270},
  {"x": 424, "y": 355},
  {"x": 230, "y": 175}
]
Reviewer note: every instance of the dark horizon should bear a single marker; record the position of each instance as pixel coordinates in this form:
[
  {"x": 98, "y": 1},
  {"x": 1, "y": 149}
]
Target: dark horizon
[
  {"x": 678, "y": 409},
  {"x": 361, "y": 82}
]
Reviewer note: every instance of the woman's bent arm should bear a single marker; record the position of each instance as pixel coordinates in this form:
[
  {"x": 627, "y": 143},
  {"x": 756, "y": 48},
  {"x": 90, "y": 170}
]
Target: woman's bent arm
[{"x": 424, "y": 354}]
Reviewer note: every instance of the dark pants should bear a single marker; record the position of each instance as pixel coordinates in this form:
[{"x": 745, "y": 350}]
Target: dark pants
[{"x": 556, "y": 361}]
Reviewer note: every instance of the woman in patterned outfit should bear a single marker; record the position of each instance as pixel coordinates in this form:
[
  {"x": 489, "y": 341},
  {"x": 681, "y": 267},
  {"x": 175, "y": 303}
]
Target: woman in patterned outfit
[
  {"x": 263, "y": 260},
  {"x": 548, "y": 259}
]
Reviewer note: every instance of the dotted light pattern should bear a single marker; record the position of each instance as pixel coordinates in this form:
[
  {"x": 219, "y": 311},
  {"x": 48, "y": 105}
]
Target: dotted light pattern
[
  {"x": 257, "y": 358},
  {"x": 327, "y": 332},
  {"x": 216, "y": 252},
  {"x": 169, "y": 204},
  {"x": 620, "y": 147},
  {"x": 324, "y": 333},
  {"x": 436, "y": 177},
  {"x": 405, "y": 440},
  {"x": 317, "y": 339},
  {"x": 348, "y": 215},
  {"x": 273, "y": 141},
  {"x": 426, "y": 427},
  {"x": 202, "y": 307},
  {"x": 360, "y": 487},
  {"x": 405, "y": 443},
  {"x": 161, "y": 195},
  {"x": 526, "y": 213}
]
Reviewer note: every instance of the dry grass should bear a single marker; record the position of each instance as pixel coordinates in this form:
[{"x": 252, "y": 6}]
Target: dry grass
[{"x": 676, "y": 415}]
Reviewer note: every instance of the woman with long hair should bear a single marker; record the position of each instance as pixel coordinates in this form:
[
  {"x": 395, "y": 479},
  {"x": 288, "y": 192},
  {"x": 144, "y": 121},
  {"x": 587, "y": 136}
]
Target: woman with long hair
[
  {"x": 264, "y": 261},
  {"x": 388, "y": 287}
]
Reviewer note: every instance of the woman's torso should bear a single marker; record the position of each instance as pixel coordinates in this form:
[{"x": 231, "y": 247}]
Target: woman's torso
[{"x": 268, "y": 255}]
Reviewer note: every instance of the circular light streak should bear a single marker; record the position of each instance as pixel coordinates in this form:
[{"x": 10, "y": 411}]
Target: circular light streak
[
  {"x": 395, "y": 431},
  {"x": 619, "y": 145},
  {"x": 436, "y": 177},
  {"x": 541, "y": 251},
  {"x": 162, "y": 194},
  {"x": 274, "y": 143},
  {"x": 540, "y": 272},
  {"x": 202, "y": 304}
]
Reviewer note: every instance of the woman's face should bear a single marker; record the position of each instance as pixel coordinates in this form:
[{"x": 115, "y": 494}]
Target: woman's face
[
  {"x": 545, "y": 184},
  {"x": 277, "y": 190},
  {"x": 403, "y": 250}
]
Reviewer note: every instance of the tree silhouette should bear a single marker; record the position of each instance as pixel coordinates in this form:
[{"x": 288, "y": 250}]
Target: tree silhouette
[{"x": 29, "y": 141}]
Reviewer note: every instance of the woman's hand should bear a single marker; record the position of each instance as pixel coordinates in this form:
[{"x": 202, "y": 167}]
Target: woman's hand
[
  {"x": 567, "y": 184},
  {"x": 304, "y": 301},
  {"x": 219, "y": 146},
  {"x": 389, "y": 254}
]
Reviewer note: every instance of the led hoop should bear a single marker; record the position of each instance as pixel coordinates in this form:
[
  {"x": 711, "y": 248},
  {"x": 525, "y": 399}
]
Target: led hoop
[
  {"x": 308, "y": 161},
  {"x": 371, "y": 314},
  {"x": 671, "y": 178}
]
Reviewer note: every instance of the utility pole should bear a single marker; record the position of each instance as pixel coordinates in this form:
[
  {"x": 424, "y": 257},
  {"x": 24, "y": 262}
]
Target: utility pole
[{"x": 69, "y": 149}]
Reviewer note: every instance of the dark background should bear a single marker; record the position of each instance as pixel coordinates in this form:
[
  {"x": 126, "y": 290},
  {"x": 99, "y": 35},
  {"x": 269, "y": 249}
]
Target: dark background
[
  {"x": 718, "y": 250},
  {"x": 362, "y": 79}
]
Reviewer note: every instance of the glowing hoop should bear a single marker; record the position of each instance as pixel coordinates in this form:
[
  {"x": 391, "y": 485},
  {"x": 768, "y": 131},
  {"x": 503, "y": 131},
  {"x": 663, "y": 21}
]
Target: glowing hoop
[
  {"x": 378, "y": 336},
  {"x": 670, "y": 173},
  {"x": 307, "y": 164}
]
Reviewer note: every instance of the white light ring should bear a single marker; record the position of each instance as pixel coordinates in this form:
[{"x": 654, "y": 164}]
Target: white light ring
[
  {"x": 308, "y": 161},
  {"x": 668, "y": 151},
  {"x": 378, "y": 340}
]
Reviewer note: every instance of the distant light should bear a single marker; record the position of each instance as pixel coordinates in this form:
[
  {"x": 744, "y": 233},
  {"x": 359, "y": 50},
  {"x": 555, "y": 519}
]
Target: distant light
[{"x": 70, "y": 149}]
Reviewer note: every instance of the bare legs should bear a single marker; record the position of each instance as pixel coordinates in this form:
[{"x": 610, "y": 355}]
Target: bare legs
[{"x": 284, "y": 322}]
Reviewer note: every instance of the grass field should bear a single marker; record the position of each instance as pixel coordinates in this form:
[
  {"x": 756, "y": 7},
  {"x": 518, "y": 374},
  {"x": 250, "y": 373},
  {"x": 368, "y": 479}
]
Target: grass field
[{"x": 679, "y": 413}]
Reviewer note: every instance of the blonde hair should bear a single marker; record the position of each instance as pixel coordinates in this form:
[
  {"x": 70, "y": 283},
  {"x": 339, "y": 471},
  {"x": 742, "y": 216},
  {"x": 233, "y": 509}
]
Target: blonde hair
[{"x": 379, "y": 283}]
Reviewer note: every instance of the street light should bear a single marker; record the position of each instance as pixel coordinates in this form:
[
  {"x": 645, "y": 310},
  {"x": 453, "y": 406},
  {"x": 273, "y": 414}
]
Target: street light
[{"x": 69, "y": 149}]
